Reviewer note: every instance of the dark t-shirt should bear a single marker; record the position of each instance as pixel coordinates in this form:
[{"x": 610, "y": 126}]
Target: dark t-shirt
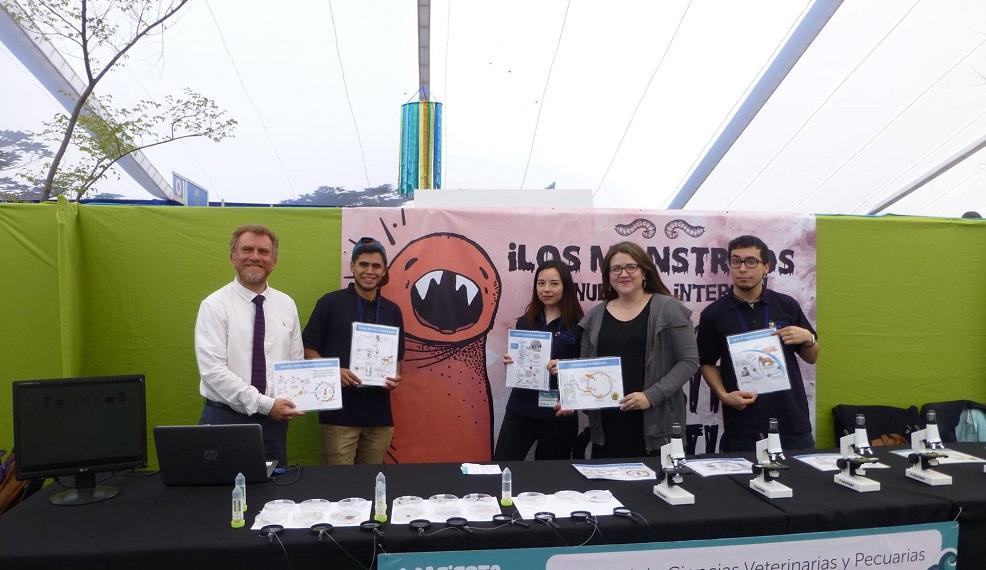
[
  {"x": 565, "y": 343},
  {"x": 730, "y": 315},
  {"x": 628, "y": 340},
  {"x": 330, "y": 332}
]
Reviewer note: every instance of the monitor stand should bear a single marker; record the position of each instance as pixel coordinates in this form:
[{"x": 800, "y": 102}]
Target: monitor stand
[{"x": 86, "y": 491}]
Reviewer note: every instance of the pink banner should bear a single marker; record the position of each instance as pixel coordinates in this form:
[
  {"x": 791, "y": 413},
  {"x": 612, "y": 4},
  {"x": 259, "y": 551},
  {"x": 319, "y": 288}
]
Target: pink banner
[{"x": 463, "y": 276}]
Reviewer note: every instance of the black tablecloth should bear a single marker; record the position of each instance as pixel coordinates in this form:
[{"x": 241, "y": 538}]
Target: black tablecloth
[{"x": 152, "y": 526}]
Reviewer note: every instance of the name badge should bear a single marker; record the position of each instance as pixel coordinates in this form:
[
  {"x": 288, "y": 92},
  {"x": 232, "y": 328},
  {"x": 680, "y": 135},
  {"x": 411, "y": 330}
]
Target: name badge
[{"x": 547, "y": 398}]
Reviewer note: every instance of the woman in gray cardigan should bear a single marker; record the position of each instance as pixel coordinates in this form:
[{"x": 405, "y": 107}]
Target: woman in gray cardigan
[{"x": 652, "y": 334}]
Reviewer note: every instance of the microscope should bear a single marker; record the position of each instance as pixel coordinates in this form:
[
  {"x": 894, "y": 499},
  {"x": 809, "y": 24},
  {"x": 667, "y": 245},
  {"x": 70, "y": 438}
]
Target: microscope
[
  {"x": 856, "y": 454},
  {"x": 672, "y": 471},
  {"x": 926, "y": 449},
  {"x": 768, "y": 466}
]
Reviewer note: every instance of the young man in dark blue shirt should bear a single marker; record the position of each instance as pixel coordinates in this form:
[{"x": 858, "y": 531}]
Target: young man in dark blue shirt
[
  {"x": 362, "y": 430},
  {"x": 748, "y": 307}
]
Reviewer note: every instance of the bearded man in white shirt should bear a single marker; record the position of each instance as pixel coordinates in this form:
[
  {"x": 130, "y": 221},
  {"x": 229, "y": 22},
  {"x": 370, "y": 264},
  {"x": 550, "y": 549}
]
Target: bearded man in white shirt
[{"x": 241, "y": 330}]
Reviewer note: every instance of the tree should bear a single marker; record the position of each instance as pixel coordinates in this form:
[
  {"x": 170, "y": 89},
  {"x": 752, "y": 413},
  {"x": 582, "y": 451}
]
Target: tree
[
  {"x": 17, "y": 150},
  {"x": 339, "y": 197},
  {"x": 107, "y": 134}
]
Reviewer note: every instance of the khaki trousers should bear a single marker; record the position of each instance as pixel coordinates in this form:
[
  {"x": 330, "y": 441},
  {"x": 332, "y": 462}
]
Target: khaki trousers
[{"x": 348, "y": 445}]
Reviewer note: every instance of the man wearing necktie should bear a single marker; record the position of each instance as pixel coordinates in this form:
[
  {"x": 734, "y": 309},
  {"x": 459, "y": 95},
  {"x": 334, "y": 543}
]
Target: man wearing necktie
[{"x": 240, "y": 331}]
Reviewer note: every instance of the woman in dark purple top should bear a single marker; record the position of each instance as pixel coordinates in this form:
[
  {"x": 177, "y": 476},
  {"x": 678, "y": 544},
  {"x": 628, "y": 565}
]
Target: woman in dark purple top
[{"x": 530, "y": 416}]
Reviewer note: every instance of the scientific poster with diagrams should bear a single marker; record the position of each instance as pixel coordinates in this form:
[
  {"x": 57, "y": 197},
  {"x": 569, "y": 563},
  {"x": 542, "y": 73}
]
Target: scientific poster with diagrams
[
  {"x": 310, "y": 384},
  {"x": 590, "y": 383},
  {"x": 530, "y": 351},
  {"x": 758, "y": 360},
  {"x": 373, "y": 353}
]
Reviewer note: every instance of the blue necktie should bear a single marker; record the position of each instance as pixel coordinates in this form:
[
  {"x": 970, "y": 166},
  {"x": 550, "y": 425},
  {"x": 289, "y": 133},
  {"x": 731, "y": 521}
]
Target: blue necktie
[{"x": 258, "y": 370}]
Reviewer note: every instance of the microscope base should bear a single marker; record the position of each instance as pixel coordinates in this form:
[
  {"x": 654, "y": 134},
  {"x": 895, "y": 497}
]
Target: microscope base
[
  {"x": 928, "y": 476},
  {"x": 674, "y": 495},
  {"x": 771, "y": 489},
  {"x": 857, "y": 483}
]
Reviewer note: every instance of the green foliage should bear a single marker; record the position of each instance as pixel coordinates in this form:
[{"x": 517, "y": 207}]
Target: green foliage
[
  {"x": 100, "y": 33},
  {"x": 115, "y": 132}
]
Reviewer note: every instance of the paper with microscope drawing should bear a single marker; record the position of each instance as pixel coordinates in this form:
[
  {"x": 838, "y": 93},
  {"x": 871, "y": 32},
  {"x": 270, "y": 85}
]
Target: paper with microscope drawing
[{"x": 373, "y": 353}]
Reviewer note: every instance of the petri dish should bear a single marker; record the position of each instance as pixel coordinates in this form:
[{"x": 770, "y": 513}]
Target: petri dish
[
  {"x": 408, "y": 500},
  {"x": 346, "y": 517},
  {"x": 308, "y": 518},
  {"x": 316, "y": 505},
  {"x": 598, "y": 496},
  {"x": 442, "y": 498},
  {"x": 481, "y": 510},
  {"x": 532, "y": 497},
  {"x": 408, "y": 514},
  {"x": 278, "y": 507},
  {"x": 477, "y": 498},
  {"x": 353, "y": 503},
  {"x": 569, "y": 496},
  {"x": 448, "y": 510}
]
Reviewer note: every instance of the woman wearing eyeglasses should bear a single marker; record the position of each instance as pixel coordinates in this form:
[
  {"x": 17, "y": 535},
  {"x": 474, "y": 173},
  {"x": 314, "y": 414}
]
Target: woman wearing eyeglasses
[
  {"x": 652, "y": 334},
  {"x": 530, "y": 415}
]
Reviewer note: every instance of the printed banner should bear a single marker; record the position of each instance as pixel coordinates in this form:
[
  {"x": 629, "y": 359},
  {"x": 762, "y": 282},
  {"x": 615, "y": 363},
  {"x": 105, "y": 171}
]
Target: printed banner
[
  {"x": 462, "y": 277},
  {"x": 911, "y": 547}
]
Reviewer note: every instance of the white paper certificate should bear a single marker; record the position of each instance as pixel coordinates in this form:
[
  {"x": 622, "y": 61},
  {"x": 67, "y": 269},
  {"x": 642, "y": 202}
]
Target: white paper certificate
[
  {"x": 758, "y": 361},
  {"x": 530, "y": 351},
  {"x": 309, "y": 384},
  {"x": 590, "y": 383},
  {"x": 617, "y": 471},
  {"x": 373, "y": 353}
]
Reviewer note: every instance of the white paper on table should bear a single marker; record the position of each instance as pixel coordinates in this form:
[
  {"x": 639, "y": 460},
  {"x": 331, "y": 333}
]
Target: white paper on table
[
  {"x": 563, "y": 503},
  {"x": 590, "y": 383},
  {"x": 826, "y": 461},
  {"x": 478, "y": 469},
  {"x": 373, "y": 353},
  {"x": 954, "y": 457},
  {"x": 473, "y": 510},
  {"x": 721, "y": 466},
  {"x": 530, "y": 351},
  {"x": 617, "y": 471},
  {"x": 298, "y": 516},
  {"x": 309, "y": 384},
  {"x": 758, "y": 361}
]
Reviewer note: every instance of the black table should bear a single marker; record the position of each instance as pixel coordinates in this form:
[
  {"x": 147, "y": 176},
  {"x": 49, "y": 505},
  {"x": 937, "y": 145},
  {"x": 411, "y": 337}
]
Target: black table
[{"x": 152, "y": 526}]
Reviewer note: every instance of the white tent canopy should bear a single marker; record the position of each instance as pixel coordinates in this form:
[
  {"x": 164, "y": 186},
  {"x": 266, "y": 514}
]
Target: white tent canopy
[{"x": 624, "y": 97}]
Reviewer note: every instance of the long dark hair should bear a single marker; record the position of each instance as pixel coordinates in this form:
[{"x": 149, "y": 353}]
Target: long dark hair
[
  {"x": 652, "y": 279},
  {"x": 571, "y": 311}
]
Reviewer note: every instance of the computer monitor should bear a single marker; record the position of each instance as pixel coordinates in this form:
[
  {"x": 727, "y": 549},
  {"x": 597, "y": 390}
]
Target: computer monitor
[{"x": 80, "y": 427}]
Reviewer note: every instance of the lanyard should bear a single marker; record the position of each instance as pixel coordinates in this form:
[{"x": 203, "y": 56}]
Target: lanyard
[{"x": 359, "y": 308}]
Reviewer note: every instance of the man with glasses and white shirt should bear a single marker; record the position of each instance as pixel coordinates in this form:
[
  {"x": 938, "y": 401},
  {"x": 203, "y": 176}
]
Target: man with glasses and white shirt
[
  {"x": 240, "y": 331},
  {"x": 750, "y": 306}
]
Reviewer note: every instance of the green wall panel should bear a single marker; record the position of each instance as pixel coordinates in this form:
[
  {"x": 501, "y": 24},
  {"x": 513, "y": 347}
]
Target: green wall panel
[
  {"x": 115, "y": 289},
  {"x": 901, "y": 312}
]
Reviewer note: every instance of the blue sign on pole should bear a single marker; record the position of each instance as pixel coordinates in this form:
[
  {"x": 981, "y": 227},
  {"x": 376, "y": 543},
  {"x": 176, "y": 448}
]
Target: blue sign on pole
[{"x": 189, "y": 192}]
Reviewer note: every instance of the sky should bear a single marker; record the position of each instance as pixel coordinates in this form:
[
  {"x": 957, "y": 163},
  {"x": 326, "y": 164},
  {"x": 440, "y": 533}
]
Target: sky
[{"x": 621, "y": 98}]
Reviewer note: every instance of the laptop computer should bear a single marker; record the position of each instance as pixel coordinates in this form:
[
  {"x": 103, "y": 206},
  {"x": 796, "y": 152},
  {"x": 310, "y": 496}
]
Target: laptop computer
[{"x": 211, "y": 454}]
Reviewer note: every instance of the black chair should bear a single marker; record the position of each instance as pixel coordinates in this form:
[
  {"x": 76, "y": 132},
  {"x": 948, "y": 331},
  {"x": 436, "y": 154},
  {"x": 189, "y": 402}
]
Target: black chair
[
  {"x": 948, "y": 414},
  {"x": 884, "y": 424}
]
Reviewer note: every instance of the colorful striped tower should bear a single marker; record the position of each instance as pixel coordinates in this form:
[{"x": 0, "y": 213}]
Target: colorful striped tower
[{"x": 421, "y": 146}]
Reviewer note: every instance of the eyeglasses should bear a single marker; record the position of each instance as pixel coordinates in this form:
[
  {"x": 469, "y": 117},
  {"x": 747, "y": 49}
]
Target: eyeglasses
[
  {"x": 750, "y": 262},
  {"x": 630, "y": 268}
]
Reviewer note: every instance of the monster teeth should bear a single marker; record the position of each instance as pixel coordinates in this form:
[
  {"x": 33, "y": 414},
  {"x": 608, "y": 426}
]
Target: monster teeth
[
  {"x": 471, "y": 289},
  {"x": 423, "y": 284}
]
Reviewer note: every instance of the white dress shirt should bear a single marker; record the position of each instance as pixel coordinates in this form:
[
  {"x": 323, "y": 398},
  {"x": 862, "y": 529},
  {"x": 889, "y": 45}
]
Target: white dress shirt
[{"x": 224, "y": 344}]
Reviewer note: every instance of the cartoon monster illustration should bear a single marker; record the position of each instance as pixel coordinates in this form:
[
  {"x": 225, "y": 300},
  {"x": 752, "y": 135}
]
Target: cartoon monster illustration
[{"x": 448, "y": 290}]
